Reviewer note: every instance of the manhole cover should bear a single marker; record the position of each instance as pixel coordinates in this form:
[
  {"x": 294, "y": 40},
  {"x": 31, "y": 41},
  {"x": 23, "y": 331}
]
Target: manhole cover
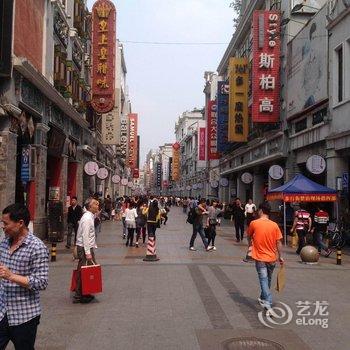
[{"x": 251, "y": 343}]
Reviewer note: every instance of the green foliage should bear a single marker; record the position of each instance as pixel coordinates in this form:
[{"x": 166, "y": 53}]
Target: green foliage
[{"x": 237, "y": 7}]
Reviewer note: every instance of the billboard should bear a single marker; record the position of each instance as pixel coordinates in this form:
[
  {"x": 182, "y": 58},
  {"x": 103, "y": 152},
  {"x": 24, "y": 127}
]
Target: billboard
[
  {"x": 133, "y": 141},
  {"x": 222, "y": 116},
  {"x": 238, "y": 100},
  {"x": 307, "y": 66},
  {"x": 266, "y": 66},
  {"x": 176, "y": 162},
  {"x": 103, "y": 56},
  {"x": 212, "y": 131}
]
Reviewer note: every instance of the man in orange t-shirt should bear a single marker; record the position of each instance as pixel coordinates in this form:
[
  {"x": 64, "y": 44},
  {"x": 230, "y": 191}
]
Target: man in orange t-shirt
[{"x": 265, "y": 237}]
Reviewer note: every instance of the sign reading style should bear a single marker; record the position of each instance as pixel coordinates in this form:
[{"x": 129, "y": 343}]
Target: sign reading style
[
  {"x": 212, "y": 131},
  {"x": 133, "y": 141},
  {"x": 266, "y": 66},
  {"x": 238, "y": 100},
  {"x": 176, "y": 162},
  {"x": 103, "y": 56}
]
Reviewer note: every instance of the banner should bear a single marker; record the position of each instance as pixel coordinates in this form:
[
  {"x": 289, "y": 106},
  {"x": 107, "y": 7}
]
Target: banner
[
  {"x": 103, "y": 56},
  {"x": 133, "y": 141},
  {"x": 266, "y": 66},
  {"x": 110, "y": 128},
  {"x": 201, "y": 146},
  {"x": 176, "y": 162},
  {"x": 238, "y": 100},
  {"x": 159, "y": 175},
  {"x": 170, "y": 168},
  {"x": 123, "y": 137},
  {"x": 222, "y": 116},
  {"x": 212, "y": 131}
]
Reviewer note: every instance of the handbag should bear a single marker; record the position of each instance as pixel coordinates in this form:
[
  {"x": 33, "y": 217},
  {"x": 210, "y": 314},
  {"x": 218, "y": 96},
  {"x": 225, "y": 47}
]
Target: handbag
[
  {"x": 91, "y": 279},
  {"x": 281, "y": 279},
  {"x": 73, "y": 282}
]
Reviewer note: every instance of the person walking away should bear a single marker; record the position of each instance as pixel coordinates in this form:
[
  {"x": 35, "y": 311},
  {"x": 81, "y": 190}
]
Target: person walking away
[
  {"x": 319, "y": 230},
  {"x": 75, "y": 212},
  {"x": 108, "y": 206},
  {"x": 130, "y": 222},
  {"x": 212, "y": 222},
  {"x": 153, "y": 218},
  {"x": 198, "y": 224},
  {"x": 302, "y": 225},
  {"x": 265, "y": 237},
  {"x": 249, "y": 211},
  {"x": 118, "y": 209},
  {"x": 86, "y": 243},
  {"x": 185, "y": 205},
  {"x": 141, "y": 222},
  {"x": 124, "y": 207},
  {"x": 238, "y": 217},
  {"x": 24, "y": 268}
]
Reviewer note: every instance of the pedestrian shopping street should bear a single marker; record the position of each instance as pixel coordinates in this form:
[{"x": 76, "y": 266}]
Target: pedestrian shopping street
[{"x": 186, "y": 300}]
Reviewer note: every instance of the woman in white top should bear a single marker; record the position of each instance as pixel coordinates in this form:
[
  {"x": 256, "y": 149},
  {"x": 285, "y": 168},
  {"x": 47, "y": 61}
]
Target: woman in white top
[
  {"x": 250, "y": 209},
  {"x": 130, "y": 222}
]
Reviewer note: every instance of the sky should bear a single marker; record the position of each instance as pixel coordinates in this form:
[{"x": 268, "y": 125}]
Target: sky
[{"x": 166, "y": 80}]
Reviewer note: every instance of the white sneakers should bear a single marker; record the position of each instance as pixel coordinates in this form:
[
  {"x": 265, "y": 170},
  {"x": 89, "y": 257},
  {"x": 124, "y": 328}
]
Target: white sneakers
[
  {"x": 210, "y": 248},
  {"x": 193, "y": 249}
]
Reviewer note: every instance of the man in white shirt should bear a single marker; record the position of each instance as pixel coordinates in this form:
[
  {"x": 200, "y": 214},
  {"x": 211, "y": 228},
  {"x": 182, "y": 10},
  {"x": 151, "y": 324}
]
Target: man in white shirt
[{"x": 86, "y": 242}]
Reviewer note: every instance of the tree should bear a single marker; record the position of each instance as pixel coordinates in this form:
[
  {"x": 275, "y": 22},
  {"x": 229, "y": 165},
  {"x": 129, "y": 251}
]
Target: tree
[{"x": 237, "y": 8}]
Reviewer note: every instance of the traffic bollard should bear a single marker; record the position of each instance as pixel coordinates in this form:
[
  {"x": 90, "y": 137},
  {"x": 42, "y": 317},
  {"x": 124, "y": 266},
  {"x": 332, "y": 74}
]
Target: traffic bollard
[
  {"x": 53, "y": 252},
  {"x": 151, "y": 250},
  {"x": 338, "y": 257}
]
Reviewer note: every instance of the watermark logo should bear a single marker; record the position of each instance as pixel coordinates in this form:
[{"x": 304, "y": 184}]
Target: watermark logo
[{"x": 308, "y": 313}]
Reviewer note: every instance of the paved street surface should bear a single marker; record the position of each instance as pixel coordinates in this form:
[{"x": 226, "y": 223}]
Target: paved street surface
[{"x": 187, "y": 300}]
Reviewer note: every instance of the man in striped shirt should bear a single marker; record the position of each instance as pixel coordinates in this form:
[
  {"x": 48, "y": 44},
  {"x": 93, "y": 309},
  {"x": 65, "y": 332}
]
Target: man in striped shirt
[
  {"x": 321, "y": 220},
  {"x": 302, "y": 225}
]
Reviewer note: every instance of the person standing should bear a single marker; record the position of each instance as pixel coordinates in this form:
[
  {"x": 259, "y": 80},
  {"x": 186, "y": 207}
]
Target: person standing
[
  {"x": 212, "y": 222},
  {"x": 108, "y": 206},
  {"x": 265, "y": 237},
  {"x": 141, "y": 222},
  {"x": 249, "y": 211},
  {"x": 185, "y": 204},
  {"x": 86, "y": 243},
  {"x": 75, "y": 212},
  {"x": 199, "y": 221},
  {"x": 319, "y": 229},
  {"x": 153, "y": 218},
  {"x": 238, "y": 217},
  {"x": 24, "y": 268},
  {"x": 302, "y": 225},
  {"x": 130, "y": 222}
]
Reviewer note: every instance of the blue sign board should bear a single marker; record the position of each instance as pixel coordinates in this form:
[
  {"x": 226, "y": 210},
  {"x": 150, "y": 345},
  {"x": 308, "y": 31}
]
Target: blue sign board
[
  {"x": 222, "y": 117},
  {"x": 346, "y": 182},
  {"x": 25, "y": 164}
]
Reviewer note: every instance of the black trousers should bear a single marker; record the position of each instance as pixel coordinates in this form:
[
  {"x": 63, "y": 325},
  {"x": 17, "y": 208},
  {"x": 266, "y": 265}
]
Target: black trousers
[
  {"x": 130, "y": 238},
  {"x": 22, "y": 336},
  {"x": 239, "y": 227},
  {"x": 212, "y": 235},
  {"x": 301, "y": 240}
]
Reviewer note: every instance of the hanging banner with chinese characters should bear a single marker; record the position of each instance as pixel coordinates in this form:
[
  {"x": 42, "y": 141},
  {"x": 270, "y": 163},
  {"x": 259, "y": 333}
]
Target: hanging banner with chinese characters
[
  {"x": 110, "y": 128},
  {"x": 133, "y": 141},
  {"x": 238, "y": 100},
  {"x": 103, "y": 56},
  {"x": 266, "y": 66},
  {"x": 159, "y": 174},
  {"x": 201, "y": 146},
  {"x": 212, "y": 131},
  {"x": 176, "y": 162},
  {"x": 222, "y": 116}
]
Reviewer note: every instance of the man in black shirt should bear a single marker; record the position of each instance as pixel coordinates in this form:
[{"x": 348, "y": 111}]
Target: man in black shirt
[
  {"x": 238, "y": 217},
  {"x": 75, "y": 212}
]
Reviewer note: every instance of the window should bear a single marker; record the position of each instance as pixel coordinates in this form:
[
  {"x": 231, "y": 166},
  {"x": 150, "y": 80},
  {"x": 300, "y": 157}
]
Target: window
[
  {"x": 319, "y": 116},
  {"x": 300, "y": 125},
  {"x": 340, "y": 84}
]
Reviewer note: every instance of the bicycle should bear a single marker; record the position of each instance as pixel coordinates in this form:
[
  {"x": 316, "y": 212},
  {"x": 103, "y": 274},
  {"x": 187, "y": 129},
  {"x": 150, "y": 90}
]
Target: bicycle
[{"x": 336, "y": 236}]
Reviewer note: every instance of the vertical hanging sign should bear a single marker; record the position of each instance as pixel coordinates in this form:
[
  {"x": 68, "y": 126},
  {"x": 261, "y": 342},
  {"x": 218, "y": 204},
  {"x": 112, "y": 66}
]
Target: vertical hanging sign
[
  {"x": 103, "y": 56},
  {"x": 201, "y": 141},
  {"x": 238, "y": 100},
  {"x": 212, "y": 131},
  {"x": 266, "y": 66},
  {"x": 176, "y": 162},
  {"x": 132, "y": 141},
  {"x": 222, "y": 116}
]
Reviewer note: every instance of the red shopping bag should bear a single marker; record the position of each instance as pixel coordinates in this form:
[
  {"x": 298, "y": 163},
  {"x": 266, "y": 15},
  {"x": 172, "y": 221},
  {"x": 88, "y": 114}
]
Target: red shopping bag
[
  {"x": 73, "y": 283},
  {"x": 91, "y": 279}
]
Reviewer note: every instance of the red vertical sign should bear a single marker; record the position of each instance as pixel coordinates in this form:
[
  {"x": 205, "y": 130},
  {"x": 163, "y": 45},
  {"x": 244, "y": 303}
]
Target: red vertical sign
[
  {"x": 133, "y": 141},
  {"x": 201, "y": 153},
  {"x": 103, "y": 56},
  {"x": 212, "y": 131},
  {"x": 266, "y": 66}
]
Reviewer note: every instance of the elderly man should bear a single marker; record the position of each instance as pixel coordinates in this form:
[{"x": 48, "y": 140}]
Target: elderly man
[
  {"x": 86, "y": 242},
  {"x": 24, "y": 267}
]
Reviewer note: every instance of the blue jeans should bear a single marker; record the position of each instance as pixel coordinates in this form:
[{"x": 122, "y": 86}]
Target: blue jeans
[
  {"x": 319, "y": 241},
  {"x": 265, "y": 271},
  {"x": 198, "y": 229}
]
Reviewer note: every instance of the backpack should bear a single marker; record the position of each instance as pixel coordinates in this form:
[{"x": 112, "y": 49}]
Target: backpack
[{"x": 191, "y": 217}]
